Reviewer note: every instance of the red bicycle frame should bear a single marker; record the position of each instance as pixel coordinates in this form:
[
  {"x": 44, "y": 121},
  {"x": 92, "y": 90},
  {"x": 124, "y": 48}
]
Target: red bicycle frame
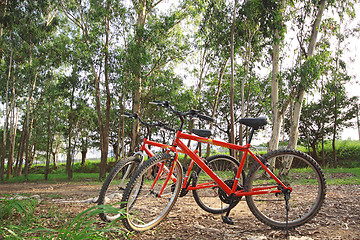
[
  {"x": 217, "y": 181},
  {"x": 144, "y": 147}
]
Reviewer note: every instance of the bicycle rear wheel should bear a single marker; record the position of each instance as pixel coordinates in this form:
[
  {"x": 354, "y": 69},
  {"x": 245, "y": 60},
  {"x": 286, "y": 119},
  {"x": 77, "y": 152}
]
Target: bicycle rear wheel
[
  {"x": 213, "y": 199},
  {"x": 114, "y": 185},
  {"x": 143, "y": 201},
  {"x": 296, "y": 170}
]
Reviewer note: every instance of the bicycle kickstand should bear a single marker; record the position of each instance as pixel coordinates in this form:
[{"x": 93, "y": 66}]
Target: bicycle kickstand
[
  {"x": 226, "y": 219},
  {"x": 287, "y": 206}
]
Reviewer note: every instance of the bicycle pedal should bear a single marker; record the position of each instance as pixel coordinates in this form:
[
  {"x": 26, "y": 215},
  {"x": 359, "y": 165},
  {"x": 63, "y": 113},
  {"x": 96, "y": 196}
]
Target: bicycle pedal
[{"x": 227, "y": 220}]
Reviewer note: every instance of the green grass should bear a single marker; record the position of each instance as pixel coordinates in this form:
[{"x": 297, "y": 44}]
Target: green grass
[
  {"x": 342, "y": 176},
  {"x": 18, "y": 221},
  {"x": 55, "y": 177},
  {"x": 355, "y": 171}
]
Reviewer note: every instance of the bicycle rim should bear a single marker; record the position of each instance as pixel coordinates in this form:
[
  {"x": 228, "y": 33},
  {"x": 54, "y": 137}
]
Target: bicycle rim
[
  {"x": 145, "y": 208},
  {"x": 294, "y": 169},
  {"x": 114, "y": 185}
]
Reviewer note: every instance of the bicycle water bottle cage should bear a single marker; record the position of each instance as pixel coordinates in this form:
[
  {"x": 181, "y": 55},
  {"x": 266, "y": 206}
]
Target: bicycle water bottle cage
[
  {"x": 202, "y": 132},
  {"x": 255, "y": 123}
]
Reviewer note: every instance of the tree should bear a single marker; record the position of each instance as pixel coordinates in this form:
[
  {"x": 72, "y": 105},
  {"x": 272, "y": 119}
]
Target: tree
[
  {"x": 94, "y": 22},
  {"x": 157, "y": 42},
  {"x": 327, "y": 117},
  {"x": 23, "y": 42}
]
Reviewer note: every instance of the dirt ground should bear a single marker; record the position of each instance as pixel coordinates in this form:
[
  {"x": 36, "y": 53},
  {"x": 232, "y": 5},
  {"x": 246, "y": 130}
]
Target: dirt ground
[{"x": 338, "y": 219}]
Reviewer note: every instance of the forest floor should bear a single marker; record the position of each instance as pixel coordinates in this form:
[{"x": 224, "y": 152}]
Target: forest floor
[{"x": 339, "y": 217}]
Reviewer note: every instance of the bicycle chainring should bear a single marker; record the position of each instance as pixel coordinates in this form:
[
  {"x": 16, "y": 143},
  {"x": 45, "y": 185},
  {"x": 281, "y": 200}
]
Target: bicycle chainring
[{"x": 224, "y": 197}]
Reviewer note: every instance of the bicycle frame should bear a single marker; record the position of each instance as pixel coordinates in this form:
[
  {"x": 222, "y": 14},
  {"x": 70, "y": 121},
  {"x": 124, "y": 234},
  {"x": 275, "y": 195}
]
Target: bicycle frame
[
  {"x": 144, "y": 147},
  {"x": 217, "y": 181},
  {"x": 146, "y": 142}
]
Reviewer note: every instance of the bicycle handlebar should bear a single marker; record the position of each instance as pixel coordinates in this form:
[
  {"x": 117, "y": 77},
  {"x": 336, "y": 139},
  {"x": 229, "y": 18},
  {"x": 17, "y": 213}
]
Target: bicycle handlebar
[
  {"x": 158, "y": 124},
  {"x": 192, "y": 112}
]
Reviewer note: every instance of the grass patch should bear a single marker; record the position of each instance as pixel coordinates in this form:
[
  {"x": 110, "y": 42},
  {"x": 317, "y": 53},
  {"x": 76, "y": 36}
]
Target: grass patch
[
  {"x": 55, "y": 177},
  {"x": 19, "y": 220},
  {"x": 342, "y": 176}
]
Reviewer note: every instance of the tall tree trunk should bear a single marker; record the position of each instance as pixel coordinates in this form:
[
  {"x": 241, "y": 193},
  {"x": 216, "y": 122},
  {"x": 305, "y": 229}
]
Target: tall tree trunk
[
  {"x": 49, "y": 134},
  {"x": 21, "y": 149},
  {"x": 69, "y": 155},
  {"x": 217, "y": 95},
  {"x": 277, "y": 112},
  {"x": 141, "y": 18},
  {"x": 232, "y": 114},
  {"x": 6, "y": 120},
  {"x": 322, "y": 125},
  {"x": 29, "y": 120},
  {"x": 120, "y": 136},
  {"x": 106, "y": 129},
  {"x": 84, "y": 150},
  {"x": 298, "y": 100},
  {"x": 13, "y": 130},
  {"x": 335, "y": 162}
]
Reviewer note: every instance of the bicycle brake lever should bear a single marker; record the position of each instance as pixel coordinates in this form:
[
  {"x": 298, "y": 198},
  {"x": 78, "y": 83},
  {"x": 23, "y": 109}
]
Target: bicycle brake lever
[{"x": 126, "y": 114}]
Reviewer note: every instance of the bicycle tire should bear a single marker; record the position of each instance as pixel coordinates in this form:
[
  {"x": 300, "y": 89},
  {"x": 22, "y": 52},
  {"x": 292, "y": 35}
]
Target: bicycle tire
[
  {"x": 114, "y": 185},
  {"x": 214, "y": 200},
  {"x": 144, "y": 208},
  {"x": 297, "y": 170}
]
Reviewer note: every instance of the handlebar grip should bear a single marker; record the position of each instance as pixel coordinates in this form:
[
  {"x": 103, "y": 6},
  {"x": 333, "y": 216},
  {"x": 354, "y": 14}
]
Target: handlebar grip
[
  {"x": 156, "y": 102},
  {"x": 168, "y": 128},
  {"x": 203, "y": 117},
  {"x": 126, "y": 114},
  {"x": 130, "y": 115},
  {"x": 160, "y": 103}
]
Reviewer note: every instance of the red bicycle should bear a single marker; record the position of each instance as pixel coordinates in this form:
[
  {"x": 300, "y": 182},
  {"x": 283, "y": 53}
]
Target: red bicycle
[
  {"x": 284, "y": 189},
  {"x": 114, "y": 185}
]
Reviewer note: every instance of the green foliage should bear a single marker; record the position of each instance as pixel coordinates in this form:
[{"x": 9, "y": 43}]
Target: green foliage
[
  {"x": 15, "y": 209},
  {"x": 19, "y": 222},
  {"x": 16, "y": 215},
  {"x": 84, "y": 226},
  {"x": 348, "y": 153}
]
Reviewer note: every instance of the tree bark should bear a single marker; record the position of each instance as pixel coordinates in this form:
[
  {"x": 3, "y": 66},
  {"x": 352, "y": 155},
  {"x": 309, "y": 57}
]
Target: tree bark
[
  {"x": 69, "y": 155},
  {"x": 13, "y": 130},
  {"x": 21, "y": 149},
  {"x": 49, "y": 134},
  {"x": 6, "y": 120},
  {"x": 216, "y": 101},
  {"x": 141, "y": 19},
  {"x": 277, "y": 112},
  {"x": 232, "y": 114},
  {"x": 29, "y": 120},
  {"x": 106, "y": 129},
  {"x": 298, "y": 100}
]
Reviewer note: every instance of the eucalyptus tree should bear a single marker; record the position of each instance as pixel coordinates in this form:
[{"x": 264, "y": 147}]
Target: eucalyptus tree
[
  {"x": 93, "y": 20},
  {"x": 149, "y": 40},
  {"x": 24, "y": 43},
  {"x": 215, "y": 34},
  {"x": 157, "y": 40},
  {"x": 290, "y": 86}
]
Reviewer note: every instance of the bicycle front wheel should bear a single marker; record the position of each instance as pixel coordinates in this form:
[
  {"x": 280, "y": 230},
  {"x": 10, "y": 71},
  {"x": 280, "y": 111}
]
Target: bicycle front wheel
[
  {"x": 296, "y": 170},
  {"x": 213, "y": 199},
  {"x": 114, "y": 186},
  {"x": 150, "y": 195}
]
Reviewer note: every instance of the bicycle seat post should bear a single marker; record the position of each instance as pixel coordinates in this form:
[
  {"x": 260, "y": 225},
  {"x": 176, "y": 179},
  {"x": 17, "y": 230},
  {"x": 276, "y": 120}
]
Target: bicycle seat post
[{"x": 251, "y": 135}]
